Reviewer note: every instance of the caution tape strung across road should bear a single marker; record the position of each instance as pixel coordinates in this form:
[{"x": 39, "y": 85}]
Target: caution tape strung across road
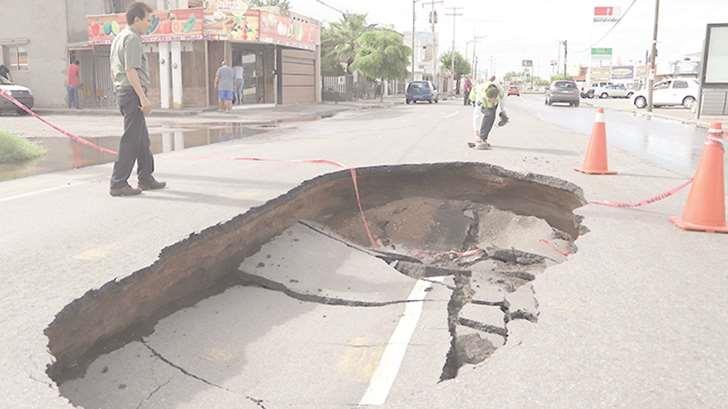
[
  {"x": 74, "y": 138},
  {"x": 661, "y": 196}
]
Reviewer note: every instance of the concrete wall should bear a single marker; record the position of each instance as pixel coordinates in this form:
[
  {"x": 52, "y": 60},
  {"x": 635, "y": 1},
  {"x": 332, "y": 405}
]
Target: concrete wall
[{"x": 44, "y": 24}]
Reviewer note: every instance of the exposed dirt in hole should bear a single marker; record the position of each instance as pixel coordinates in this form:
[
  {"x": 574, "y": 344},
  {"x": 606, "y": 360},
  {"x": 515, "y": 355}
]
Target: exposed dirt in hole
[{"x": 490, "y": 231}]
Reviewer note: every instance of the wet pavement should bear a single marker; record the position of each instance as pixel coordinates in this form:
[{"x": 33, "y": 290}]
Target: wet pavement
[
  {"x": 63, "y": 154},
  {"x": 670, "y": 145}
]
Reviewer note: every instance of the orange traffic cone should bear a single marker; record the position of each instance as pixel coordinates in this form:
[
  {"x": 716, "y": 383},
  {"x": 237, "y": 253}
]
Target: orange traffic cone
[
  {"x": 596, "y": 155},
  {"x": 705, "y": 209}
]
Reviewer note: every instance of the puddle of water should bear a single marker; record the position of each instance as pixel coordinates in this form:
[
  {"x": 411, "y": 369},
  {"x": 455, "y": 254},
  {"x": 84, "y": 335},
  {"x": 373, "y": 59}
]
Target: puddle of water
[{"x": 62, "y": 154}]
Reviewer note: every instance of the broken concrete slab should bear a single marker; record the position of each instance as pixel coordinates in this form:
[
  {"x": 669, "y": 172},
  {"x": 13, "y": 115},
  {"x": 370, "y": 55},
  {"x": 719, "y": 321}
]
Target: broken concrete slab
[
  {"x": 495, "y": 339},
  {"x": 311, "y": 264},
  {"x": 486, "y": 318},
  {"x": 507, "y": 230},
  {"x": 522, "y": 304}
]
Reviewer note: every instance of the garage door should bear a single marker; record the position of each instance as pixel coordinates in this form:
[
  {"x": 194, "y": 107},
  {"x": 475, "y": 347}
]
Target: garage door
[{"x": 299, "y": 79}]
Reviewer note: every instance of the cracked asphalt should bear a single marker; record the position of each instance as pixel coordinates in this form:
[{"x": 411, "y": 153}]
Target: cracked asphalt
[{"x": 636, "y": 318}]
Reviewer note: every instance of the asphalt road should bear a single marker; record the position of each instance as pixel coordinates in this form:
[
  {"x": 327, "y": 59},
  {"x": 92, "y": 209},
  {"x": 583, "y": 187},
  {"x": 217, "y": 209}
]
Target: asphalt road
[
  {"x": 629, "y": 321},
  {"x": 668, "y": 144}
]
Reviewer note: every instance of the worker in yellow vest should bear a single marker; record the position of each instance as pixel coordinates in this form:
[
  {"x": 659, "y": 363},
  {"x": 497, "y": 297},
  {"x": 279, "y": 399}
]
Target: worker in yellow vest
[{"x": 488, "y": 97}]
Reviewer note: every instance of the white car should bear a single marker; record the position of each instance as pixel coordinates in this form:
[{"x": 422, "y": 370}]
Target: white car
[
  {"x": 613, "y": 91},
  {"x": 673, "y": 92},
  {"x": 20, "y": 93}
]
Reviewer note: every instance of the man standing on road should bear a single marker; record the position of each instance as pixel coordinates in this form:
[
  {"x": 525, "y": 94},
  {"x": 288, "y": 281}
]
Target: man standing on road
[
  {"x": 239, "y": 83},
  {"x": 72, "y": 84},
  {"x": 225, "y": 84},
  {"x": 488, "y": 97},
  {"x": 130, "y": 74}
]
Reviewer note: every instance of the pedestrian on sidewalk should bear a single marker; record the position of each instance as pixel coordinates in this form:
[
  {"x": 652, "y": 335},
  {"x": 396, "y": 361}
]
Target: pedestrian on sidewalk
[
  {"x": 239, "y": 84},
  {"x": 130, "y": 73},
  {"x": 467, "y": 89},
  {"x": 225, "y": 84},
  {"x": 73, "y": 83},
  {"x": 488, "y": 98}
]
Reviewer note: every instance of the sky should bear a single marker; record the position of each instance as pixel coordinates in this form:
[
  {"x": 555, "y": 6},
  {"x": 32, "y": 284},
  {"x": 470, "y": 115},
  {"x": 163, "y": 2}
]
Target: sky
[{"x": 531, "y": 29}]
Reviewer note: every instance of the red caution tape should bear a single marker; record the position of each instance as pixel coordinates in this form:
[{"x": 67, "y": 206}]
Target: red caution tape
[
  {"x": 661, "y": 196},
  {"x": 555, "y": 247},
  {"x": 375, "y": 243},
  {"x": 74, "y": 138}
]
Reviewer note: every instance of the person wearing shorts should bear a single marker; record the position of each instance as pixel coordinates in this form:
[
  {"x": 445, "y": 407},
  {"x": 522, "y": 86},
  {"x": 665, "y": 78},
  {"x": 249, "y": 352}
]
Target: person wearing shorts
[{"x": 225, "y": 84}]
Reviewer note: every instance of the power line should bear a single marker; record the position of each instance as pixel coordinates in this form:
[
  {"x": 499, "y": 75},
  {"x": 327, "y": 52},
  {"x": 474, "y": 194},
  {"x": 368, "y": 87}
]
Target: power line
[{"x": 331, "y": 7}]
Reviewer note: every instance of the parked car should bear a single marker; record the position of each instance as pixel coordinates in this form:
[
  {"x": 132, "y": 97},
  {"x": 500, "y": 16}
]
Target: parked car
[
  {"x": 673, "y": 92},
  {"x": 614, "y": 91},
  {"x": 18, "y": 92},
  {"x": 421, "y": 91},
  {"x": 513, "y": 90},
  {"x": 563, "y": 91}
]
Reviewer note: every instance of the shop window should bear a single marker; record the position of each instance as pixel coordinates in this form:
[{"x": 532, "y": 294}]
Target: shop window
[{"x": 16, "y": 57}]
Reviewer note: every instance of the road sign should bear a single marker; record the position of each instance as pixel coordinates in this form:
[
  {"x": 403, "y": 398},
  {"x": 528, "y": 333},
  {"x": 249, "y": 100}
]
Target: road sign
[
  {"x": 601, "y": 53},
  {"x": 606, "y": 14},
  {"x": 527, "y": 63}
]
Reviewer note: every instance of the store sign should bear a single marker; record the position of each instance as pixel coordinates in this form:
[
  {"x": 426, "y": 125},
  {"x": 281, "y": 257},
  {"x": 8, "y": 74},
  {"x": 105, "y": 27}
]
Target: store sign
[
  {"x": 601, "y": 53},
  {"x": 231, "y": 20},
  {"x": 624, "y": 72},
  {"x": 289, "y": 31},
  {"x": 527, "y": 63},
  {"x": 600, "y": 74},
  {"x": 164, "y": 26},
  {"x": 606, "y": 14}
]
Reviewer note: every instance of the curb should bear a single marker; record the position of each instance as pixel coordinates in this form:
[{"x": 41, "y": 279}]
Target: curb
[{"x": 648, "y": 115}]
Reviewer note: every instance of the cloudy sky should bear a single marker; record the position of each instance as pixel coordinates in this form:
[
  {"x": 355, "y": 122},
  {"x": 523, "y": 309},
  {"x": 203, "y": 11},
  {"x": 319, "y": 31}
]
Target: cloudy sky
[{"x": 532, "y": 29}]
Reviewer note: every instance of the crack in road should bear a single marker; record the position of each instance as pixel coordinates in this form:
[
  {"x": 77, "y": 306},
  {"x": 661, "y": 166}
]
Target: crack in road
[
  {"x": 187, "y": 373},
  {"x": 141, "y": 403}
]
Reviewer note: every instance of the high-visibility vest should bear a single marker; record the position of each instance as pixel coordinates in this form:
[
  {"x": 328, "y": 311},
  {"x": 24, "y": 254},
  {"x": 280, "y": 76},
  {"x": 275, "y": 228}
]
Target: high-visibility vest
[{"x": 479, "y": 95}]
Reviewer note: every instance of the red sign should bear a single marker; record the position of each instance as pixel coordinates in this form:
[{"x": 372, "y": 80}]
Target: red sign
[
  {"x": 603, "y": 11},
  {"x": 164, "y": 26},
  {"x": 289, "y": 31}
]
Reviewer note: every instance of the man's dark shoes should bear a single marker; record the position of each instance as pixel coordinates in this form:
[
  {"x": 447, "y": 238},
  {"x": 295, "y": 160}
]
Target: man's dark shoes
[
  {"x": 124, "y": 190},
  {"x": 149, "y": 183}
]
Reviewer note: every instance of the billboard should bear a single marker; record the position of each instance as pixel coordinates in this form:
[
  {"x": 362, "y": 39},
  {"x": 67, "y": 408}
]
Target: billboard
[
  {"x": 600, "y": 74},
  {"x": 715, "y": 71},
  {"x": 164, "y": 26},
  {"x": 527, "y": 63},
  {"x": 623, "y": 72},
  {"x": 604, "y": 14}
]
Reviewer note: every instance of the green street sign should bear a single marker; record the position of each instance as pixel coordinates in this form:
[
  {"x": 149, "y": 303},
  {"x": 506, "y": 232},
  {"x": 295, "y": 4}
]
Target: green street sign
[{"x": 601, "y": 52}]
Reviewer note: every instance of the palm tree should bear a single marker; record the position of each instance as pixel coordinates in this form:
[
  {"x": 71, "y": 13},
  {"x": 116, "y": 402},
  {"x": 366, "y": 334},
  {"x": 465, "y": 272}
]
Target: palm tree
[{"x": 340, "y": 38}]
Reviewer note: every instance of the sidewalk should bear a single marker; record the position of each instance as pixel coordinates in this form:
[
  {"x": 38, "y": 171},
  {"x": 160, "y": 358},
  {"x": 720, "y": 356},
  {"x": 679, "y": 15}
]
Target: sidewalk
[{"x": 678, "y": 114}]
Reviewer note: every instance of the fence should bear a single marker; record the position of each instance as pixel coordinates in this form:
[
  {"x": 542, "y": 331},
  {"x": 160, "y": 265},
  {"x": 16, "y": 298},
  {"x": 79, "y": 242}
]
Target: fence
[{"x": 346, "y": 88}]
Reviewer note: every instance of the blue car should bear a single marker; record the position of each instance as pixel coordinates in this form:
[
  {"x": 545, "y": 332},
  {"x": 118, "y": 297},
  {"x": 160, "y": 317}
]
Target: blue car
[{"x": 421, "y": 91}]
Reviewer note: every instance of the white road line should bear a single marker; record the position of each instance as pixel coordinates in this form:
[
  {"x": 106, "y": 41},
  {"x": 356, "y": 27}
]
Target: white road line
[
  {"x": 37, "y": 192},
  {"x": 454, "y": 114},
  {"x": 386, "y": 373}
]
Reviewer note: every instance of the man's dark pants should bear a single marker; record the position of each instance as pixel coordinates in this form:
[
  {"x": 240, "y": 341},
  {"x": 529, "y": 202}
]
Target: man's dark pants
[
  {"x": 486, "y": 126},
  {"x": 134, "y": 145}
]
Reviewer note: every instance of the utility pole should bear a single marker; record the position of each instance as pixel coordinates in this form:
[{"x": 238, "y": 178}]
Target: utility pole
[
  {"x": 433, "y": 23},
  {"x": 653, "y": 58},
  {"x": 474, "y": 41},
  {"x": 414, "y": 21},
  {"x": 455, "y": 13},
  {"x": 566, "y": 56}
]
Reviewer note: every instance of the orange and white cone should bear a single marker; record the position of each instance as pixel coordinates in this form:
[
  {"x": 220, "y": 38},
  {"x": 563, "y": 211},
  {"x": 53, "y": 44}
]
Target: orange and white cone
[
  {"x": 705, "y": 209},
  {"x": 595, "y": 162}
]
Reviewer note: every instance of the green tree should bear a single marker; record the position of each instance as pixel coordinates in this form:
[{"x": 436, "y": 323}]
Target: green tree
[
  {"x": 281, "y": 4},
  {"x": 382, "y": 55},
  {"x": 462, "y": 66},
  {"x": 339, "y": 39}
]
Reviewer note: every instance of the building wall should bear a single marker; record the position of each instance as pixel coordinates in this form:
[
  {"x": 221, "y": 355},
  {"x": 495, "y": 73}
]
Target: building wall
[
  {"x": 76, "y": 17},
  {"x": 44, "y": 25}
]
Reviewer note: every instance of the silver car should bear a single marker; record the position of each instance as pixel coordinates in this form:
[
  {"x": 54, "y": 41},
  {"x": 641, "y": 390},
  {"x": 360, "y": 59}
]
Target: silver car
[
  {"x": 614, "y": 91},
  {"x": 563, "y": 91}
]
